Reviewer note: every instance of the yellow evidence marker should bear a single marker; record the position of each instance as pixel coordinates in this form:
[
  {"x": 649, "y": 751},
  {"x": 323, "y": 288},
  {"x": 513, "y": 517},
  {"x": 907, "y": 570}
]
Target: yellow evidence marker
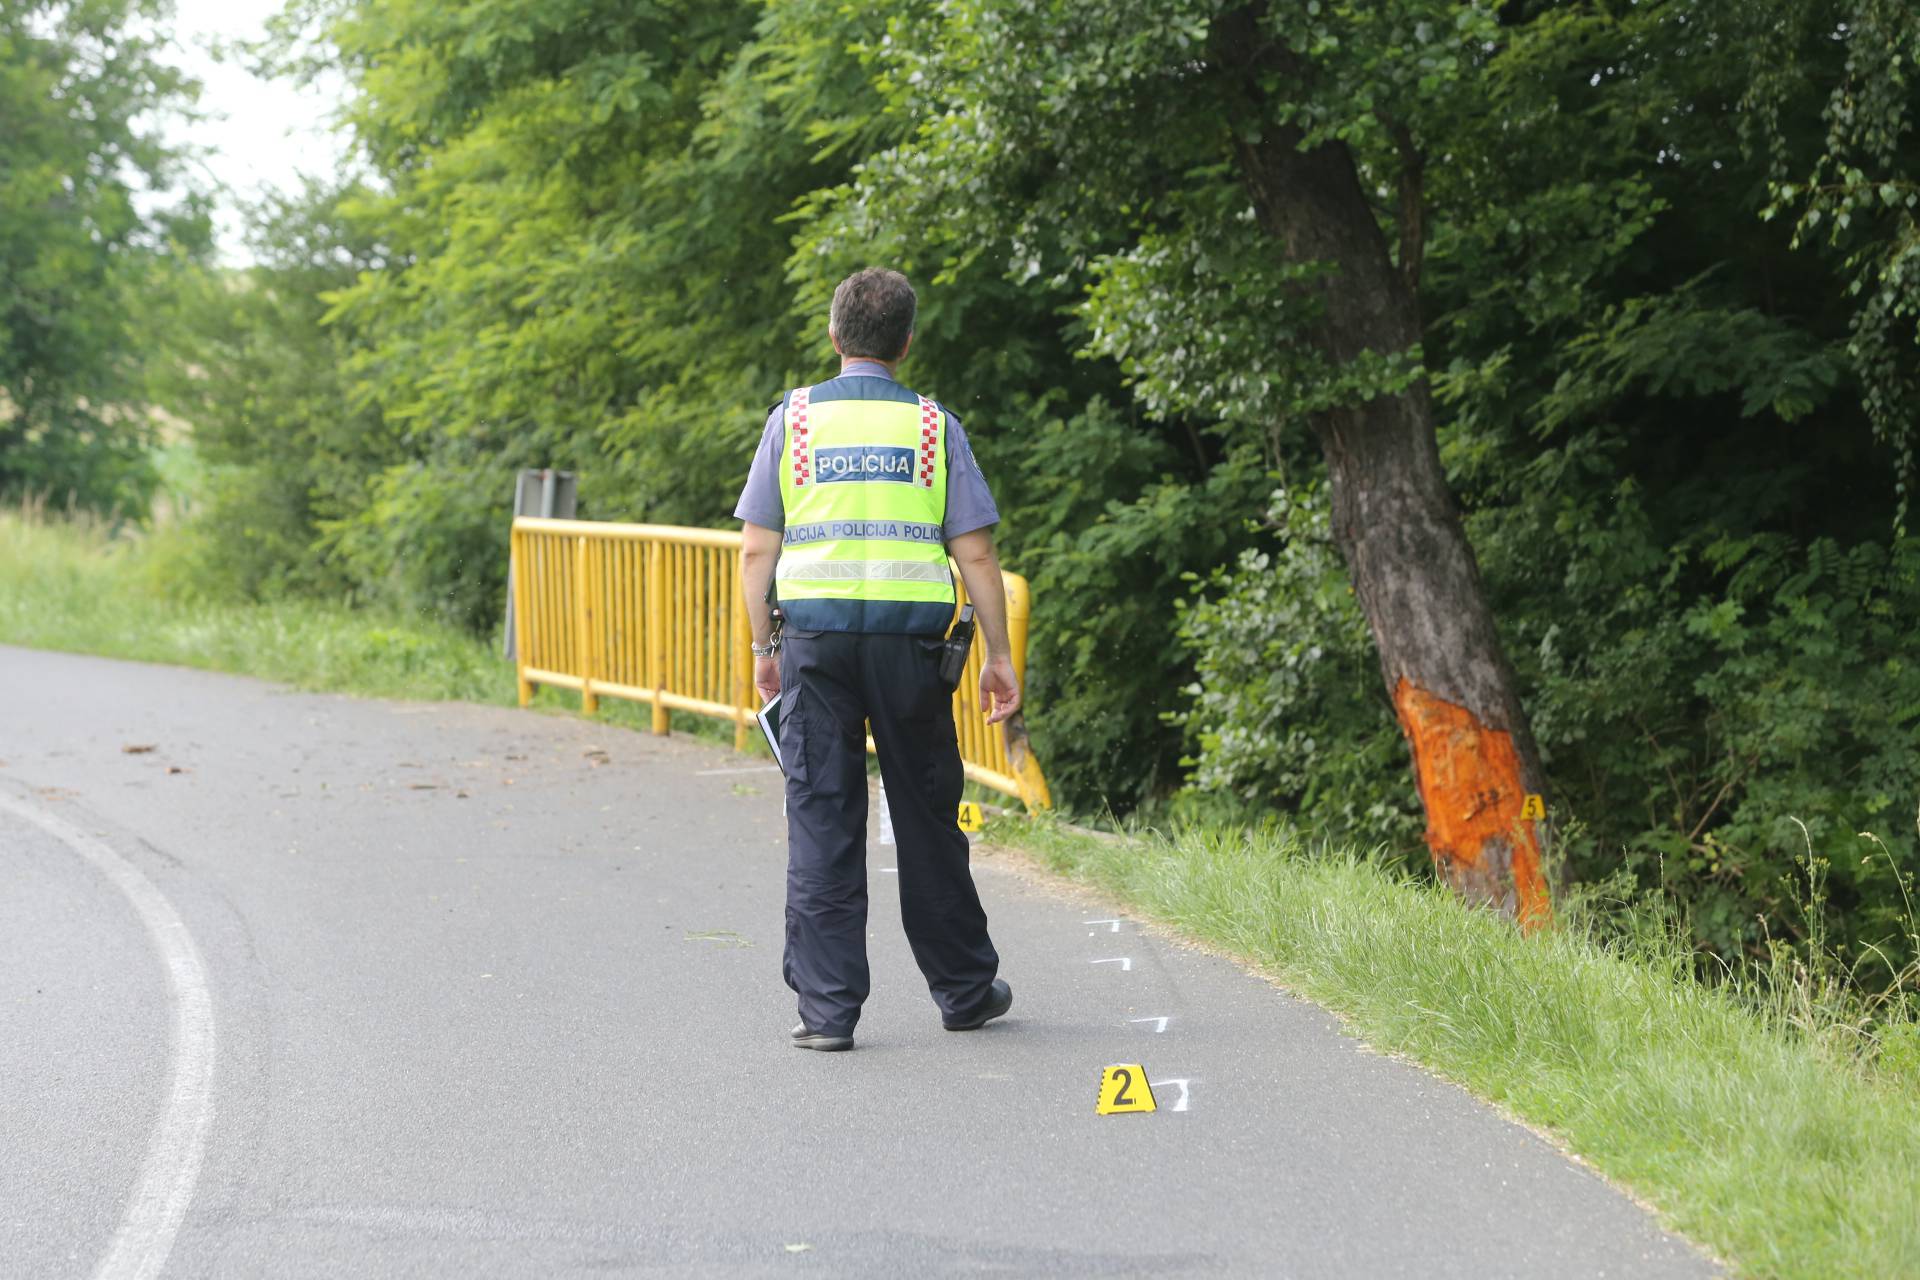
[
  {"x": 1124, "y": 1088},
  {"x": 1533, "y": 807},
  {"x": 970, "y": 816}
]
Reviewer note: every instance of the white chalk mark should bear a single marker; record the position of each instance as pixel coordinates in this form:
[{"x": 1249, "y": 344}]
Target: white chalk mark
[
  {"x": 886, "y": 818},
  {"x": 1113, "y": 926},
  {"x": 751, "y": 768},
  {"x": 1180, "y": 1105},
  {"x": 178, "y": 1144},
  {"x": 1157, "y": 1030},
  {"x": 1125, "y": 962}
]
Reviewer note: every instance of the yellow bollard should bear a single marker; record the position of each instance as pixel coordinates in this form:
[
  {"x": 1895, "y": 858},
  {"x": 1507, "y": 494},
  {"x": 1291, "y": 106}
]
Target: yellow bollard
[
  {"x": 522, "y": 623},
  {"x": 656, "y": 625},
  {"x": 584, "y": 615},
  {"x": 740, "y": 642}
]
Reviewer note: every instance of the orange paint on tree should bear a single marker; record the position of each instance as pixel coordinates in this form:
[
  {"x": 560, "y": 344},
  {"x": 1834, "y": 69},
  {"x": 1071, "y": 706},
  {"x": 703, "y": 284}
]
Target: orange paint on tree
[{"x": 1472, "y": 790}]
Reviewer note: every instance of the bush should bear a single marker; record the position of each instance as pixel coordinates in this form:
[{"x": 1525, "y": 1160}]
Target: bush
[
  {"x": 431, "y": 540},
  {"x": 1712, "y": 712},
  {"x": 1287, "y": 710},
  {"x": 1714, "y": 706},
  {"x": 1107, "y": 548}
]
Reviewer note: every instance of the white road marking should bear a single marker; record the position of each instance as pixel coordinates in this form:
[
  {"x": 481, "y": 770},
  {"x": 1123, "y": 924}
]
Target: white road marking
[
  {"x": 1125, "y": 963},
  {"x": 751, "y": 768},
  {"x": 1157, "y": 1030},
  {"x": 886, "y": 818},
  {"x": 1181, "y": 1105},
  {"x": 889, "y": 871},
  {"x": 1113, "y": 926},
  {"x": 178, "y": 1143}
]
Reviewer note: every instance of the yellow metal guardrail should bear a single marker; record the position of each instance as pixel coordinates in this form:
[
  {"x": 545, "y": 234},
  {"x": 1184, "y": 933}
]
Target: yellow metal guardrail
[{"x": 653, "y": 613}]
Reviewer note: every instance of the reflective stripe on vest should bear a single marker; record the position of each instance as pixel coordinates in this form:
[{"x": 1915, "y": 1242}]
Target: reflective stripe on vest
[
  {"x": 864, "y": 489},
  {"x": 863, "y": 571},
  {"x": 799, "y": 447}
]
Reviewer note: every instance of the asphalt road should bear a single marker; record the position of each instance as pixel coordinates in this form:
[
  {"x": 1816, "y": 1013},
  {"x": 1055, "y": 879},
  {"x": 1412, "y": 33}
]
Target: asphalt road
[{"x": 322, "y": 986}]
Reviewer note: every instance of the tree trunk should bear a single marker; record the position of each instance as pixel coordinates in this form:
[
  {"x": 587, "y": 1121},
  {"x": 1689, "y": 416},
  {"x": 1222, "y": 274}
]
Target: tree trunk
[{"x": 1399, "y": 529}]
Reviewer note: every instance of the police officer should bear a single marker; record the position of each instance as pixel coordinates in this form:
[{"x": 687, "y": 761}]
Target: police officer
[{"x": 858, "y": 493}]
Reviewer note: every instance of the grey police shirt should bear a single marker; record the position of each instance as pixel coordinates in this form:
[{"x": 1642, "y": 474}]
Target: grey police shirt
[{"x": 969, "y": 502}]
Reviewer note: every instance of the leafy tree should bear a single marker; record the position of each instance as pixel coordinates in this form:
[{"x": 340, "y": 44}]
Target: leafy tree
[
  {"x": 585, "y": 265},
  {"x": 1652, "y": 413},
  {"x": 83, "y": 85},
  {"x": 1857, "y": 196},
  {"x": 245, "y": 357},
  {"x": 1217, "y": 170}
]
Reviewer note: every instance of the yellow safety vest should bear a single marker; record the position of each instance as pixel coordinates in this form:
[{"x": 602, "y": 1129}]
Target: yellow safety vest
[{"x": 863, "y": 482}]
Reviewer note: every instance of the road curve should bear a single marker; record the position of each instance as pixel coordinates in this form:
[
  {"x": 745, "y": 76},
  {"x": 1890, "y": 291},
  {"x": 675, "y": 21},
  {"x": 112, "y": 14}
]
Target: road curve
[{"x": 497, "y": 994}]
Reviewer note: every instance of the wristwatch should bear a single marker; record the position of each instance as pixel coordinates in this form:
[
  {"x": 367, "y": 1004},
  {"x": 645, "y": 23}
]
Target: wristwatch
[{"x": 763, "y": 650}]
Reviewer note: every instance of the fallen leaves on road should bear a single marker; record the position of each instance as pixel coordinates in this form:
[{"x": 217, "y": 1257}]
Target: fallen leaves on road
[{"x": 139, "y": 748}]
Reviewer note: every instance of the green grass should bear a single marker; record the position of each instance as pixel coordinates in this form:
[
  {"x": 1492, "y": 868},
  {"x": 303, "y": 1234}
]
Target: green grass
[
  {"x": 1775, "y": 1116},
  {"x": 75, "y": 584},
  {"x": 1747, "y": 1128},
  {"x": 72, "y": 585}
]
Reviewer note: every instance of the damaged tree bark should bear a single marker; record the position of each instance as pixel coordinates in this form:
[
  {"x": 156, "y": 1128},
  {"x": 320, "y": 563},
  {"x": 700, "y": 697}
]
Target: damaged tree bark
[{"x": 1394, "y": 518}]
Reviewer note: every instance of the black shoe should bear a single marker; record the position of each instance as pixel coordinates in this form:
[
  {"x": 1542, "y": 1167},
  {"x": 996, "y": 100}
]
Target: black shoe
[
  {"x": 805, "y": 1037},
  {"x": 998, "y": 1001}
]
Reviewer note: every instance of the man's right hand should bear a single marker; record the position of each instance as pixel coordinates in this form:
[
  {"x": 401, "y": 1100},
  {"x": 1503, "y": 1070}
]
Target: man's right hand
[
  {"x": 999, "y": 688},
  {"x": 766, "y": 678}
]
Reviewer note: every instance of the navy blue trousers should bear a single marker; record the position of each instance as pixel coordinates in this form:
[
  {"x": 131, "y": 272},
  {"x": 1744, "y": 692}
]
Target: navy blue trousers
[{"x": 834, "y": 684}]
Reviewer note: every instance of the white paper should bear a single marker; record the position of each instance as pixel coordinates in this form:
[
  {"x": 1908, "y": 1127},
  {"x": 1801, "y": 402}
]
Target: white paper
[{"x": 769, "y": 718}]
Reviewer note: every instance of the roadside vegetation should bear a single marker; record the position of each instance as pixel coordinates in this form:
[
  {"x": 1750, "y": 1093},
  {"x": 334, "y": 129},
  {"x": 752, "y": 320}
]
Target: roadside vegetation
[
  {"x": 82, "y": 583},
  {"x": 77, "y": 582},
  {"x": 1773, "y": 1113}
]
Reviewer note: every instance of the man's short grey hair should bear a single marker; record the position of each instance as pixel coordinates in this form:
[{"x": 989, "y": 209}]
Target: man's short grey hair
[{"x": 873, "y": 313}]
